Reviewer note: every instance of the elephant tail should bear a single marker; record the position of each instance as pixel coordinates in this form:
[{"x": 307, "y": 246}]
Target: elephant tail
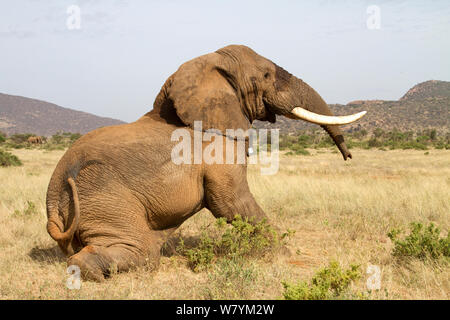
[{"x": 53, "y": 225}]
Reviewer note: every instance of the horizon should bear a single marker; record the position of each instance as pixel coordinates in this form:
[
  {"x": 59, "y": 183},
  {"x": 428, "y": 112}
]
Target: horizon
[
  {"x": 103, "y": 116},
  {"x": 115, "y": 63}
]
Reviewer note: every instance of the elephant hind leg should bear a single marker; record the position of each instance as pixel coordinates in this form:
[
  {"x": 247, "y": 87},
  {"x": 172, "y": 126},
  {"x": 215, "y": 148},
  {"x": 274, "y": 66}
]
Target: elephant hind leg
[{"x": 96, "y": 262}]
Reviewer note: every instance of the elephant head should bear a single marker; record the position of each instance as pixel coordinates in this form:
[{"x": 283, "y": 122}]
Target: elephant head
[{"x": 234, "y": 86}]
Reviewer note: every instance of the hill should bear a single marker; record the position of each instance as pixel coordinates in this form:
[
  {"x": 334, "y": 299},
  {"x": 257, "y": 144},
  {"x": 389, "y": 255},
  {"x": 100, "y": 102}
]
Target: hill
[
  {"x": 425, "y": 106},
  {"x": 428, "y": 89},
  {"x": 25, "y": 115}
]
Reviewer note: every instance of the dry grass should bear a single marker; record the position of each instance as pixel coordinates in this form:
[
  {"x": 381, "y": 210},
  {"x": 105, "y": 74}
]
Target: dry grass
[{"x": 340, "y": 211}]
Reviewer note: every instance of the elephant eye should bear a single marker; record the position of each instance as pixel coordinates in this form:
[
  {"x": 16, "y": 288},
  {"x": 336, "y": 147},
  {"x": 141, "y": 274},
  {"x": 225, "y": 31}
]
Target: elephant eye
[{"x": 267, "y": 75}]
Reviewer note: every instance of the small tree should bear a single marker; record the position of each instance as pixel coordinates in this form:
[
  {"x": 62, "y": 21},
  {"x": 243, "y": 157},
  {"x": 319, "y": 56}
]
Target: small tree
[
  {"x": 8, "y": 159},
  {"x": 2, "y": 137}
]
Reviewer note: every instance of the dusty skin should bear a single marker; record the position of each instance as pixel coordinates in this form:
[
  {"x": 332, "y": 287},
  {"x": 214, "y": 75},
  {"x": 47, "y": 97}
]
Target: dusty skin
[
  {"x": 339, "y": 210},
  {"x": 116, "y": 196}
]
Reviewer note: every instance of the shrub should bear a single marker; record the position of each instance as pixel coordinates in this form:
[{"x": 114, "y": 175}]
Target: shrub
[
  {"x": 394, "y": 139},
  {"x": 235, "y": 241},
  {"x": 325, "y": 142},
  {"x": 20, "y": 137},
  {"x": 60, "y": 141},
  {"x": 374, "y": 143},
  {"x": 245, "y": 239},
  {"x": 57, "y": 138},
  {"x": 286, "y": 141},
  {"x": 28, "y": 211},
  {"x": 359, "y": 134},
  {"x": 2, "y": 137},
  {"x": 200, "y": 257},
  {"x": 298, "y": 149},
  {"x": 302, "y": 152},
  {"x": 439, "y": 145},
  {"x": 7, "y": 159},
  {"x": 74, "y": 137},
  {"x": 31, "y": 209},
  {"x": 304, "y": 140},
  {"x": 378, "y": 133},
  {"x": 421, "y": 242},
  {"x": 328, "y": 283}
]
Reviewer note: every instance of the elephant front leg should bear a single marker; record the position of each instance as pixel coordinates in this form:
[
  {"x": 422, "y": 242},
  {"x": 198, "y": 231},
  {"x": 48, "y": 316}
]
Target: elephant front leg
[{"x": 227, "y": 194}]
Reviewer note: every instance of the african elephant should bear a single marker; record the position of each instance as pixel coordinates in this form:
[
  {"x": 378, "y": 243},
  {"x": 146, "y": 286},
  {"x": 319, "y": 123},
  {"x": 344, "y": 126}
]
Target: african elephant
[
  {"x": 116, "y": 194},
  {"x": 35, "y": 140}
]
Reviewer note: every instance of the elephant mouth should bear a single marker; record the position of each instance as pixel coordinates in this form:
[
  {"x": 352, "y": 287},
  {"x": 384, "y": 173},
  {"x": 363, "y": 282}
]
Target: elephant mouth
[{"x": 269, "y": 113}]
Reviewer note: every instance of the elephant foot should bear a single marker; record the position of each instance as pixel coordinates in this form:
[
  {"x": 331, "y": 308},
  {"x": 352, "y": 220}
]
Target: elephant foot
[
  {"x": 97, "y": 262},
  {"x": 88, "y": 263}
]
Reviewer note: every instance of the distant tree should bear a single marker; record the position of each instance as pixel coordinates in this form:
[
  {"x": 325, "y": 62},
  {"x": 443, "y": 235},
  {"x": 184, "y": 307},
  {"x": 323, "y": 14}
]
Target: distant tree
[
  {"x": 57, "y": 138},
  {"x": 433, "y": 135},
  {"x": 363, "y": 132},
  {"x": 378, "y": 132},
  {"x": 74, "y": 137},
  {"x": 20, "y": 137}
]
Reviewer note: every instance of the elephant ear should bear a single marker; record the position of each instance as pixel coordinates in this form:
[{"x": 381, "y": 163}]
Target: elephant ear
[{"x": 200, "y": 91}]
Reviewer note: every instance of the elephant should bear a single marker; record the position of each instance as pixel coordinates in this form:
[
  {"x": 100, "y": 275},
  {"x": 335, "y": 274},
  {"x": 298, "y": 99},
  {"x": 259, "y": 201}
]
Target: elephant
[
  {"x": 35, "y": 140},
  {"x": 116, "y": 195}
]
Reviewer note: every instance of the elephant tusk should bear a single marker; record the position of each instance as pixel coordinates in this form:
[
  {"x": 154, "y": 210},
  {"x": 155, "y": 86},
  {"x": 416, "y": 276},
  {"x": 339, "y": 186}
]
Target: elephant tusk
[{"x": 309, "y": 116}]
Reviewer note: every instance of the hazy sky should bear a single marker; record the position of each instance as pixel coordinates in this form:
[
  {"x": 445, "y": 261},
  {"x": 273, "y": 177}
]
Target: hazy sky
[{"x": 116, "y": 63}]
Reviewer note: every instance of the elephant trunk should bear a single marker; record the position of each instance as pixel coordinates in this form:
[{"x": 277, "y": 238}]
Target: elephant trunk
[
  {"x": 319, "y": 112},
  {"x": 336, "y": 134}
]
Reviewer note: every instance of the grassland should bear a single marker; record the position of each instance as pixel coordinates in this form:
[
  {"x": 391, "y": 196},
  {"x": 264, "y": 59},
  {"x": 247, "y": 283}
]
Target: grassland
[{"x": 339, "y": 210}]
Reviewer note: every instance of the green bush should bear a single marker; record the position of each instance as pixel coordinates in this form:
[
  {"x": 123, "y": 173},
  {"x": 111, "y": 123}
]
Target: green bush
[
  {"x": 299, "y": 149},
  {"x": 74, "y": 137},
  {"x": 2, "y": 137},
  {"x": 232, "y": 275},
  {"x": 328, "y": 283},
  {"x": 286, "y": 141},
  {"x": 359, "y": 134},
  {"x": 19, "y": 138},
  {"x": 302, "y": 152},
  {"x": 7, "y": 159},
  {"x": 57, "y": 139},
  {"x": 238, "y": 240},
  {"x": 378, "y": 133},
  {"x": 374, "y": 143},
  {"x": 61, "y": 141},
  {"x": 383, "y": 140},
  {"x": 304, "y": 140},
  {"x": 246, "y": 239},
  {"x": 200, "y": 257},
  {"x": 422, "y": 242}
]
